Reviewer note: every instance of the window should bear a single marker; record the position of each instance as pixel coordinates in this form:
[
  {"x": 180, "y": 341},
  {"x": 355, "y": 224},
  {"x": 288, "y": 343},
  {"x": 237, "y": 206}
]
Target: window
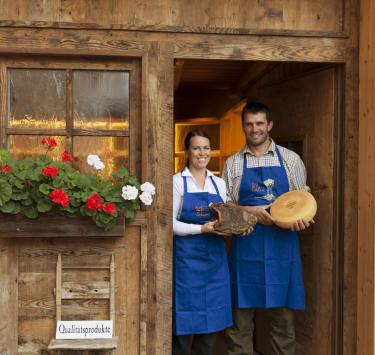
[{"x": 87, "y": 107}]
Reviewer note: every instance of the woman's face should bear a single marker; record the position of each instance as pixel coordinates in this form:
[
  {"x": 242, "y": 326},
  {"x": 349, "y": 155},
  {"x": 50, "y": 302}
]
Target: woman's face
[{"x": 199, "y": 152}]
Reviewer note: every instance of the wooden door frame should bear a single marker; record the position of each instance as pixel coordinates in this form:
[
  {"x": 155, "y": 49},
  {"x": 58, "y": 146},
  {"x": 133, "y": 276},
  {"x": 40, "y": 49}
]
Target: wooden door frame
[{"x": 157, "y": 52}]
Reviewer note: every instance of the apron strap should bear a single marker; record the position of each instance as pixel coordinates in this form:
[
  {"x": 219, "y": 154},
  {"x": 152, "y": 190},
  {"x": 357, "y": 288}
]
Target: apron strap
[
  {"x": 279, "y": 156},
  {"x": 185, "y": 184},
  {"x": 215, "y": 186},
  {"x": 244, "y": 161}
]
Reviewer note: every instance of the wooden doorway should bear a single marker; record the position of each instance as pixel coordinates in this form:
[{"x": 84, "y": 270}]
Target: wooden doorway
[{"x": 306, "y": 102}]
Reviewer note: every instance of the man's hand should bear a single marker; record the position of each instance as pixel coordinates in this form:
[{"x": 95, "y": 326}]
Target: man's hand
[
  {"x": 261, "y": 213},
  {"x": 301, "y": 225}
]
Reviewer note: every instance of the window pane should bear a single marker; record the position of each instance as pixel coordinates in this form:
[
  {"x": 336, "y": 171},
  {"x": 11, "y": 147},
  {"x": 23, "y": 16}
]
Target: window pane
[
  {"x": 25, "y": 145},
  {"x": 113, "y": 151},
  {"x": 100, "y": 99},
  {"x": 36, "y": 98}
]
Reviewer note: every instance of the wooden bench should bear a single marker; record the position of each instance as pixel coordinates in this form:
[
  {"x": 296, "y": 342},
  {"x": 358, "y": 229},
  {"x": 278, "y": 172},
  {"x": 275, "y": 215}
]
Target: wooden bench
[{"x": 80, "y": 291}]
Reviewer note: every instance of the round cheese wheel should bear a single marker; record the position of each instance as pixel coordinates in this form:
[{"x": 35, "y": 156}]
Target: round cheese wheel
[{"x": 288, "y": 208}]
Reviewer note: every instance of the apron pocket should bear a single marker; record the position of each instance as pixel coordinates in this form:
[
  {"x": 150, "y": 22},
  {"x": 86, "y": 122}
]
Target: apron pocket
[
  {"x": 251, "y": 272},
  {"x": 188, "y": 300},
  {"x": 278, "y": 272}
]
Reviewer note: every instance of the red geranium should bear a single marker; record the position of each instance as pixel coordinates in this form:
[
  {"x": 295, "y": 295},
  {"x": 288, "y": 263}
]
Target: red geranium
[
  {"x": 66, "y": 157},
  {"x": 49, "y": 142},
  {"x": 110, "y": 208},
  {"x": 50, "y": 171},
  {"x": 94, "y": 202},
  {"x": 5, "y": 168},
  {"x": 59, "y": 197}
]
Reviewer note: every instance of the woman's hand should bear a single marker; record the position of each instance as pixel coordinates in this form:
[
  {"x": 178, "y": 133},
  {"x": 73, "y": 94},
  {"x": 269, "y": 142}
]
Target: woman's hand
[{"x": 209, "y": 228}]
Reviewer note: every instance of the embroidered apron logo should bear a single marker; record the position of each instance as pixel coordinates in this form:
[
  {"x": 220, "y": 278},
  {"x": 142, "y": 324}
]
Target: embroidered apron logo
[
  {"x": 269, "y": 183},
  {"x": 255, "y": 187},
  {"x": 202, "y": 211}
]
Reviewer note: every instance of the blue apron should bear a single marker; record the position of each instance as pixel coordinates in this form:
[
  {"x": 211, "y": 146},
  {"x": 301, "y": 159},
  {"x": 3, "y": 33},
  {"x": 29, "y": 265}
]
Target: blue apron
[
  {"x": 265, "y": 267},
  {"x": 201, "y": 284}
]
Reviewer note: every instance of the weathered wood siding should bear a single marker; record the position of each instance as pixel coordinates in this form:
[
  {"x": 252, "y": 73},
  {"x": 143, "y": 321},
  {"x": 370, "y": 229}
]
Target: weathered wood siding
[
  {"x": 222, "y": 16},
  {"x": 366, "y": 193}
]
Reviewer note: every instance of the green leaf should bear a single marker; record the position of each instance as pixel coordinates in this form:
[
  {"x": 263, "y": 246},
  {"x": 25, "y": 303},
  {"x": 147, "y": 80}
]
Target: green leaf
[
  {"x": 121, "y": 173},
  {"x": 44, "y": 189},
  {"x": 58, "y": 182},
  {"x": 44, "y": 206},
  {"x": 5, "y": 192},
  {"x": 130, "y": 214},
  {"x": 31, "y": 212},
  {"x": 17, "y": 208},
  {"x": 113, "y": 199},
  {"x": 71, "y": 210},
  {"x": 27, "y": 202},
  {"x": 8, "y": 207},
  {"x": 19, "y": 184},
  {"x": 4, "y": 156},
  {"x": 133, "y": 181},
  {"x": 19, "y": 195},
  {"x": 34, "y": 176}
]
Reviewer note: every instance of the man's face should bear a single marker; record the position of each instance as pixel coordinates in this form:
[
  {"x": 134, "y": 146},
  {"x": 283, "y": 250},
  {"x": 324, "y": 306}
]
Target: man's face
[{"x": 256, "y": 128}]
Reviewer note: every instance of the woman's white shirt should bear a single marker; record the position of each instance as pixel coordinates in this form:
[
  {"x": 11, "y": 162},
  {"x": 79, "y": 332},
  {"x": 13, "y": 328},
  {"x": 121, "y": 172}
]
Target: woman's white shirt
[{"x": 181, "y": 228}]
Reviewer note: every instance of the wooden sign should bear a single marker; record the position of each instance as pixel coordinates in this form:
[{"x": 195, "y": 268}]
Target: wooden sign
[{"x": 93, "y": 329}]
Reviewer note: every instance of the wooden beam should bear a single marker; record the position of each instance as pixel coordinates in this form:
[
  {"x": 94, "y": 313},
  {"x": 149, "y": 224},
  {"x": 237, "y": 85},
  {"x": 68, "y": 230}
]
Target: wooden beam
[
  {"x": 366, "y": 193},
  {"x": 127, "y": 43},
  {"x": 178, "y": 67},
  {"x": 158, "y": 167},
  {"x": 8, "y": 297}
]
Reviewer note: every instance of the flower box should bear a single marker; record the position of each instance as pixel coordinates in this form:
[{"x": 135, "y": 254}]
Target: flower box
[
  {"x": 46, "y": 226},
  {"x": 59, "y": 200}
]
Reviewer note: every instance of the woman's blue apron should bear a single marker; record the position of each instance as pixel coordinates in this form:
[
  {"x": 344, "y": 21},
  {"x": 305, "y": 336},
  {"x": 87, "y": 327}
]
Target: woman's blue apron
[
  {"x": 201, "y": 285},
  {"x": 265, "y": 267}
]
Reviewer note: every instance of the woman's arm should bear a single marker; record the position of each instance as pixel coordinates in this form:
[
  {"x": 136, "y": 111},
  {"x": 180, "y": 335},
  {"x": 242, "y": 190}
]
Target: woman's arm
[{"x": 181, "y": 228}]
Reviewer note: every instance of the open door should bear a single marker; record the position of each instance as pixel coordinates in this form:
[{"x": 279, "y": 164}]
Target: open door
[
  {"x": 305, "y": 107},
  {"x": 304, "y": 99}
]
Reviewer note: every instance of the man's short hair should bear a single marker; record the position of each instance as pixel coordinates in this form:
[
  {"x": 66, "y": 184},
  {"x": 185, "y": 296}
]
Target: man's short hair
[{"x": 254, "y": 108}]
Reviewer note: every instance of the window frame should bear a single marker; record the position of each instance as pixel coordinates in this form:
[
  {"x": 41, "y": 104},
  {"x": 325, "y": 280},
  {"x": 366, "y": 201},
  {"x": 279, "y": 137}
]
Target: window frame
[{"x": 133, "y": 133}]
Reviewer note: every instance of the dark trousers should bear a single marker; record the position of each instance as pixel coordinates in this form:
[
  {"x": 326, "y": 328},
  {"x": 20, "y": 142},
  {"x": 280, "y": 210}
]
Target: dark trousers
[
  {"x": 193, "y": 344},
  {"x": 281, "y": 340}
]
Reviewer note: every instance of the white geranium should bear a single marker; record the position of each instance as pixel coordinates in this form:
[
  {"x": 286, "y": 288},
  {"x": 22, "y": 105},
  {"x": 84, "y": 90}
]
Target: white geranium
[
  {"x": 99, "y": 165},
  {"x": 146, "y": 198},
  {"x": 148, "y": 187},
  {"x": 129, "y": 192},
  {"x": 92, "y": 159}
]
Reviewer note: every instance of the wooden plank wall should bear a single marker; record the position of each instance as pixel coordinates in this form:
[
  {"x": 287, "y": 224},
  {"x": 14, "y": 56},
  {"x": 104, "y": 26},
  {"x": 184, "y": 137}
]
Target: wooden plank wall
[
  {"x": 36, "y": 282},
  {"x": 223, "y": 16},
  {"x": 366, "y": 193}
]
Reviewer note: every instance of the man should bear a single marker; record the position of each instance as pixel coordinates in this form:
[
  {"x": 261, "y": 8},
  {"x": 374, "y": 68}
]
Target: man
[{"x": 265, "y": 267}]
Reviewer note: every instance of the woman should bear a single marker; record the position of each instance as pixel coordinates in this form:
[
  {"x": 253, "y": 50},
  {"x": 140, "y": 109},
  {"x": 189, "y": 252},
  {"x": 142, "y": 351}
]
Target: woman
[{"x": 201, "y": 288}]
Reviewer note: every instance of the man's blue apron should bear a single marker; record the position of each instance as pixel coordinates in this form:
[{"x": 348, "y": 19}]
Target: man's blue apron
[
  {"x": 265, "y": 267},
  {"x": 201, "y": 286}
]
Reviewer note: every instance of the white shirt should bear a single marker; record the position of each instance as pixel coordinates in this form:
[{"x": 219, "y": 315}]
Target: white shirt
[{"x": 180, "y": 228}]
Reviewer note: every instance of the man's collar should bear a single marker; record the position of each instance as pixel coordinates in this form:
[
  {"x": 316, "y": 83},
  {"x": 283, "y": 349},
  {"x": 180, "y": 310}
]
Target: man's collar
[
  {"x": 186, "y": 172},
  {"x": 271, "y": 149}
]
